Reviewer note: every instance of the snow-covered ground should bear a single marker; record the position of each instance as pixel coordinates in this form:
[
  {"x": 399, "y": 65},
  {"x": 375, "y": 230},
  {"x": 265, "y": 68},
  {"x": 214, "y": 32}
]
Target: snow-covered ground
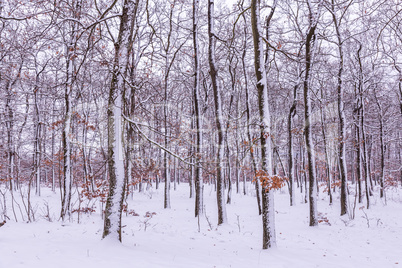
[{"x": 174, "y": 238}]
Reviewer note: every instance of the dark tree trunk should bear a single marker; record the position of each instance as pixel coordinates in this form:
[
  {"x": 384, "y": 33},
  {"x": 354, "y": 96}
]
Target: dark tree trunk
[
  {"x": 310, "y": 40},
  {"x": 220, "y": 192},
  {"x": 199, "y": 200},
  {"x": 250, "y": 139},
  {"x": 341, "y": 115},
  {"x": 268, "y": 216},
  {"x": 363, "y": 155}
]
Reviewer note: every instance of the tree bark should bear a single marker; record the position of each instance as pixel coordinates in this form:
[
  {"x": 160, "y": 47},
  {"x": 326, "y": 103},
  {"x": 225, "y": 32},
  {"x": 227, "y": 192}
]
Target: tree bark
[
  {"x": 382, "y": 145},
  {"x": 37, "y": 142},
  {"x": 114, "y": 203},
  {"x": 292, "y": 113},
  {"x": 220, "y": 191},
  {"x": 198, "y": 180},
  {"x": 363, "y": 155},
  {"x": 10, "y": 139},
  {"x": 341, "y": 114},
  {"x": 66, "y": 135},
  {"x": 248, "y": 114},
  {"x": 326, "y": 145},
  {"x": 310, "y": 49},
  {"x": 268, "y": 216}
]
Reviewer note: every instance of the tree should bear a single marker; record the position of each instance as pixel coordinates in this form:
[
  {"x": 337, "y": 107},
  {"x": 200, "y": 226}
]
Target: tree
[
  {"x": 117, "y": 183},
  {"x": 220, "y": 191},
  {"x": 71, "y": 46},
  {"x": 268, "y": 213},
  {"x": 341, "y": 112},
  {"x": 310, "y": 51},
  {"x": 197, "y": 113}
]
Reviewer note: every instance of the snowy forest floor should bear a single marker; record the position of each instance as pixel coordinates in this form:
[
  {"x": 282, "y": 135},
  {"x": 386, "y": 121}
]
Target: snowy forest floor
[{"x": 174, "y": 238}]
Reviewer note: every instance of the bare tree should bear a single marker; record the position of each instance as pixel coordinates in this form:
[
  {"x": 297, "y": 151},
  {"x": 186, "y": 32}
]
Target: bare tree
[
  {"x": 268, "y": 213},
  {"x": 117, "y": 183},
  {"x": 71, "y": 46},
  {"x": 197, "y": 113},
  {"x": 310, "y": 51},
  {"x": 220, "y": 192},
  {"x": 341, "y": 112}
]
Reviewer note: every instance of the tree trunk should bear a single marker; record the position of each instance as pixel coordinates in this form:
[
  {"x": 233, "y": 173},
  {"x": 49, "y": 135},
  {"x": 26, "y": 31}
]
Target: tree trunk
[
  {"x": 363, "y": 155},
  {"x": 248, "y": 114},
  {"x": 10, "y": 139},
  {"x": 310, "y": 47},
  {"x": 341, "y": 115},
  {"x": 197, "y": 170},
  {"x": 52, "y": 156},
  {"x": 37, "y": 142},
  {"x": 220, "y": 191},
  {"x": 114, "y": 203},
  {"x": 382, "y": 146},
  {"x": 358, "y": 157},
  {"x": 268, "y": 213},
  {"x": 292, "y": 113},
  {"x": 327, "y": 163},
  {"x": 229, "y": 173},
  {"x": 71, "y": 54}
]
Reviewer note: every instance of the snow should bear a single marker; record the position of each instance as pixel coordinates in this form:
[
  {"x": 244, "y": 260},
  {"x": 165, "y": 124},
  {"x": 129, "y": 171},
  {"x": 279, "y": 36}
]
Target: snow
[{"x": 171, "y": 238}]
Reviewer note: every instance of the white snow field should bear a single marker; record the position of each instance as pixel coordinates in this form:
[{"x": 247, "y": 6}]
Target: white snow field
[{"x": 174, "y": 238}]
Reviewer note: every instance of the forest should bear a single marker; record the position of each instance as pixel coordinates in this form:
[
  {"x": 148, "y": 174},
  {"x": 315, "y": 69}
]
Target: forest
[{"x": 102, "y": 101}]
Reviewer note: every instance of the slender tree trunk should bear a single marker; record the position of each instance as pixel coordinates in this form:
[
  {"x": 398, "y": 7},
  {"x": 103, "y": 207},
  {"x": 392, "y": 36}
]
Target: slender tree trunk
[
  {"x": 292, "y": 113},
  {"x": 341, "y": 115},
  {"x": 363, "y": 155},
  {"x": 166, "y": 168},
  {"x": 248, "y": 114},
  {"x": 175, "y": 173},
  {"x": 52, "y": 156},
  {"x": 197, "y": 170},
  {"x": 220, "y": 192},
  {"x": 114, "y": 203},
  {"x": 357, "y": 114},
  {"x": 400, "y": 157},
  {"x": 327, "y": 163},
  {"x": 358, "y": 157},
  {"x": 37, "y": 143},
  {"x": 84, "y": 153},
  {"x": 166, "y": 164},
  {"x": 10, "y": 139},
  {"x": 9, "y": 122},
  {"x": 382, "y": 145},
  {"x": 191, "y": 172},
  {"x": 268, "y": 213},
  {"x": 229, "y": 178},
  {"x": 310, "y": 47},
  {"x": 398, "y": 69},
  {"x": 237, "y": 176},
  {"x": 66, "y": 135}
]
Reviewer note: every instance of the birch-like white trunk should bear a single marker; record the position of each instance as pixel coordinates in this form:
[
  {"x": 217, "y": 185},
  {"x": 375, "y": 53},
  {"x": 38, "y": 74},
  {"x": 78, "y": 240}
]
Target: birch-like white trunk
[{"x": 114, "y": 203}]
